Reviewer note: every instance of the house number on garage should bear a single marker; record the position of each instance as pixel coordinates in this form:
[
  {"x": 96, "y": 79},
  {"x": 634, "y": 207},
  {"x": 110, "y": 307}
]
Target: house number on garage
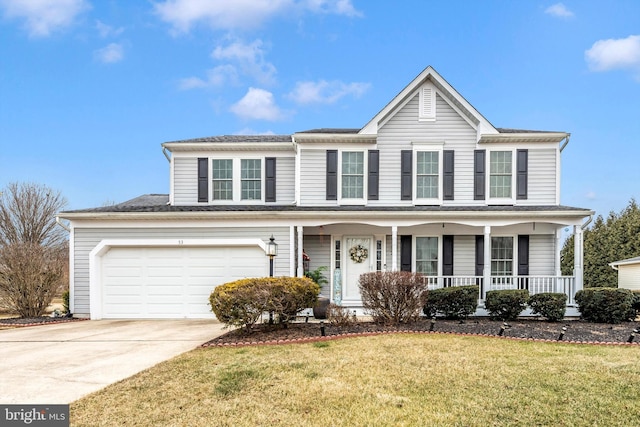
[{"x": 180, "y": 242}]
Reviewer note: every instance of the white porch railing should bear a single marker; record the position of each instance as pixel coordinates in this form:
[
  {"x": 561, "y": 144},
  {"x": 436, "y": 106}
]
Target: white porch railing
[{"x": 534, "y": 284}]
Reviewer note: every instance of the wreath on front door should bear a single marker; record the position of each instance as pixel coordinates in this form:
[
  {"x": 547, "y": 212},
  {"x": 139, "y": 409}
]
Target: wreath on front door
[{"x": 358, "y": 253}]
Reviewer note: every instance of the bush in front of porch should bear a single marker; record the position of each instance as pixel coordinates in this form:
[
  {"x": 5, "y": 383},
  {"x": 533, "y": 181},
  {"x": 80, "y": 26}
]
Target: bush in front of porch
[
  {"x": 393, "y": 297},
  {"x": 606, "y": 305},
  {"x": 506, "y": 304},
  {"x": 551, "y": 305},
  {"x": 453, "y": 302}
]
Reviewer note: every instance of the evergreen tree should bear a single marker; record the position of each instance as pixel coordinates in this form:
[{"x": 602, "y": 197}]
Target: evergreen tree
[{"x": 607, "y": 241}]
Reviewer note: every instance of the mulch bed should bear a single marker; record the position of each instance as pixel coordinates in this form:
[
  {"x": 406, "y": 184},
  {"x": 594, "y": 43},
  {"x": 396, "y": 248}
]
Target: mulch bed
[
  {"x": 576, "y": 331},
  {"x": 35, "y": 321}
]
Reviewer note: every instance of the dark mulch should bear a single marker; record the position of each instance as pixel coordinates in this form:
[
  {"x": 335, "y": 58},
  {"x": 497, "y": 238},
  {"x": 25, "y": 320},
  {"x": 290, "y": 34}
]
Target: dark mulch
[
  {"x": 33, "y": 321},
  {"x": 576, "y": 330}
]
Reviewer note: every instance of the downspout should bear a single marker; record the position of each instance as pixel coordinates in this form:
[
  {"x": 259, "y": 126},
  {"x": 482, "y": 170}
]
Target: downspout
[
  {"x": 164, "y": 151},
  {"x": 588, "y": 222},
  {"x": 566, "y": 141}
]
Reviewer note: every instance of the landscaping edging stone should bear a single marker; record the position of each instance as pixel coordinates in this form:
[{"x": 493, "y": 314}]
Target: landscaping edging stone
[{"x": 15, "y": 322}]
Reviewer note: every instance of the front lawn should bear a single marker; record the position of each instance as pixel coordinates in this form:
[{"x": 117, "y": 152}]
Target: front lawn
[{"x": 387, "y": 380}]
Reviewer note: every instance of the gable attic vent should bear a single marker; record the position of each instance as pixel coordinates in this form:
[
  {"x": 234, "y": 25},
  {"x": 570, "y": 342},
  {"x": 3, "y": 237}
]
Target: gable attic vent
[{"x": 427, "y": 103}]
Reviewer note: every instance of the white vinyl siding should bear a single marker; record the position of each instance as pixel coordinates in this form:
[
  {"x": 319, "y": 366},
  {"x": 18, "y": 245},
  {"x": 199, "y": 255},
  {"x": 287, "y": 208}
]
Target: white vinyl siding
[
  {"x": 313, "y": 178},
  {"x": 629, "y": 276},
  {"x": 319, "y": 250},
  {"x": 85, "y": 239},
  {"x": 285, "y": 180},
  {"x": 541, "y": 255},
  {"x": 464, "y": 260},
  {"x": 543, "y": 177},
  {"x": 402, "y": 130},
  {"x": 185, "y": 180}
]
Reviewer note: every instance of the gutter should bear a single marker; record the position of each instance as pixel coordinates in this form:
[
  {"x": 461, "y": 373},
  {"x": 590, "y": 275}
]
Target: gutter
[{"x": 62, "y": 224}]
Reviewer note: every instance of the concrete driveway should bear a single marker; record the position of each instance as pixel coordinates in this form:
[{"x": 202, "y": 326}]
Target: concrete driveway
[{"x": 55, "y": 364}]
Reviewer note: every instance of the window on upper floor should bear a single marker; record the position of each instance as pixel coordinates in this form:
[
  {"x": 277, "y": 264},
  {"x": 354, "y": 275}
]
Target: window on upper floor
[
  {"x": 222, "y": 179},
  {"x": 427, "y": 175},
  {"x": 500, "y": 174},
  {"x": 251, "y": 179},
  {"x": 352, "y": 175}
]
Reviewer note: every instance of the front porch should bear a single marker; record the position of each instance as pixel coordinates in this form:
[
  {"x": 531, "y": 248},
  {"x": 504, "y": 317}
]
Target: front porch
[{"x": 516, "y": 255}]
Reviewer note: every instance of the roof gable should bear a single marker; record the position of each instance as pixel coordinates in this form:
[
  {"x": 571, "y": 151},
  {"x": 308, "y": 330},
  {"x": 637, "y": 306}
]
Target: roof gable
[{"x": 444, "y": 89}]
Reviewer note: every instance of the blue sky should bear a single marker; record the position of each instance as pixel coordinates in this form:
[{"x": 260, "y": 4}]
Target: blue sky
[{"x": 90, "y": 89}]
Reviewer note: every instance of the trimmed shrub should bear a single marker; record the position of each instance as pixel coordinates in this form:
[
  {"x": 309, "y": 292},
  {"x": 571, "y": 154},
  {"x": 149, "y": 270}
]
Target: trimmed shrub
[
  {"x": 452, "y": 303},
  {"x": 506, "y": 304},
  {"x": 550, "y": 305},
  {"x": 393, "y": 297},
  {"x": 242, "y": 302},
  {"x": 606, "y": 305},
  {"x": 636, "y": 301}
]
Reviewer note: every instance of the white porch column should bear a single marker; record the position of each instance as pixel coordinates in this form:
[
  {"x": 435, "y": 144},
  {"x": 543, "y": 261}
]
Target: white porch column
[
  {"x": 292, "y": 252},
  {"x": 558, "y": 249},
  {"x": 300, "y": 260},
  {"x": 486, "y": 271},
  {"x": 578, "y": 256},
  {"x": 394, "y": 248}
]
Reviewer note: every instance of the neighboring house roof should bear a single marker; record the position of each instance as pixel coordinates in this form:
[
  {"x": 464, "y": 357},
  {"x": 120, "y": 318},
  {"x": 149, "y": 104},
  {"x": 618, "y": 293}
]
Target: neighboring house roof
[
  {"x": 236, "y": 138},
  {"x": 615, "y": 265},
  {"x": 331, "y": 130}
]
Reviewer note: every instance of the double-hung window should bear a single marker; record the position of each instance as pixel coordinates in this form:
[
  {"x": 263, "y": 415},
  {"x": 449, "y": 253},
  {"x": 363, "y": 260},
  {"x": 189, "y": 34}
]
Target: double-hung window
[
  {"x": 502, "y": 256},
  {"x": 222, "y": 179},
  {"x": 427, "y": 256},
  {"x": 427, "y": 175},
  {"x": 352, "y": 175},
  {"x": 251, "y": 179},
  {"x": 500, "y": 174}
]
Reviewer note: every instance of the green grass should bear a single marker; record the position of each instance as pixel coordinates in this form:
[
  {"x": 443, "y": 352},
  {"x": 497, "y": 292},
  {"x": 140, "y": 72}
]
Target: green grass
[{"x": 390, "y": 380}]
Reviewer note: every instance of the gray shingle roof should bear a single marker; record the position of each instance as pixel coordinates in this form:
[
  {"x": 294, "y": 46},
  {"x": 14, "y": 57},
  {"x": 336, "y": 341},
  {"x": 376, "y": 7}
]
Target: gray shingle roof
[
  {"x": 331, "y": 130},
  {"x": 159, "y": 203},
  {"x": 508, "y": 130}
]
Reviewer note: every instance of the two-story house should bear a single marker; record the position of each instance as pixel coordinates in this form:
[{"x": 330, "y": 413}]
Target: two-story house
[{"x": 427, "y": 185}]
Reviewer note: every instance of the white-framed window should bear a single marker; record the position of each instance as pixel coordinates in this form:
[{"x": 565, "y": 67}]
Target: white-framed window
[
  {"x": 427, "y": 249},
  {"x": 251, "y": 179},
  {"x": 501, "y": 174},
  {"x": 502, "y": 256},
  {"x": 222, "y": 173},
  {"x": 427, "y": 175},
  {"x": 352, "y": 176},
  {"x": 237, "y": 180}
]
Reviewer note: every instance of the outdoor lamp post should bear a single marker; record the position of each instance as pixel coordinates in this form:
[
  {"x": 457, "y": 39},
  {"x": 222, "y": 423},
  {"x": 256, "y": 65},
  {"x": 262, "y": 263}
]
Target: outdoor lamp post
[{"x": 272, "y": 252}]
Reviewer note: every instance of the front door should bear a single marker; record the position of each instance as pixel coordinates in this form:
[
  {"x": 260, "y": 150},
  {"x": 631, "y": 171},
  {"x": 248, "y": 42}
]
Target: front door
[{"x": 358, "y": 255}]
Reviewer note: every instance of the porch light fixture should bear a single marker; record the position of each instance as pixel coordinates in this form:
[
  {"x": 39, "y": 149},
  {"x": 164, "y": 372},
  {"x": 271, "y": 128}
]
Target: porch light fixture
[{"x": 272, "y": 252}]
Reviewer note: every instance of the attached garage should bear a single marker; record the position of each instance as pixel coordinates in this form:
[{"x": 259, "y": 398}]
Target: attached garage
[
  {"x": 628, "y": 273},
  {"x": 161, "y": 281}
]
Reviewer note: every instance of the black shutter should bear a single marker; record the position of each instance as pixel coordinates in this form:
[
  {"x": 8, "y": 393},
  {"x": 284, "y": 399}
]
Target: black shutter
[
  {"x": 374, "y": 175},
  {"x": 522, "y": 172},
  {"x": 479, "y": 255},
  {"x": 523, "y": 255},
  {"x": 447, "y": 174},
  {"x": 332, "y": 174},
  {"x": 270, "y": 179},
  {"x": 405, "y": 253},
  {"x": 447, "y": 255},
  {"x": 406, "y": 169},
  {"x": 479, "y": 159},
  {"x": 203, "y": 180}
]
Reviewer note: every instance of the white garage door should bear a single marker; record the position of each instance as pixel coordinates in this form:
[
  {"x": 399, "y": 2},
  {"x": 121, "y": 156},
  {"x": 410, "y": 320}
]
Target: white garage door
[{"x": 156, "y": 283}]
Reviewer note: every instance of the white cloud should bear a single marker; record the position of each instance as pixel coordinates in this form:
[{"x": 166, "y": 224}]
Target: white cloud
[
  {"x": 338, "y": 7},
  {"x": 250, "y": 58},
  {"x": 182, "y": 15},
  {"x": 219, "y": 14},
  {"x": 559, "y": 10},
  {"x": 591, "y": 195},
  {"x": 108, "y": 31},
  {"x": 257, "y": 104},
  {"x": 44, "y": 16},
  {"x": 110, "y": 54},
  {"x": 216, "y": 77},
  {"x": 613, "y": 54},
  {"x": 324, "y": 92}
]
